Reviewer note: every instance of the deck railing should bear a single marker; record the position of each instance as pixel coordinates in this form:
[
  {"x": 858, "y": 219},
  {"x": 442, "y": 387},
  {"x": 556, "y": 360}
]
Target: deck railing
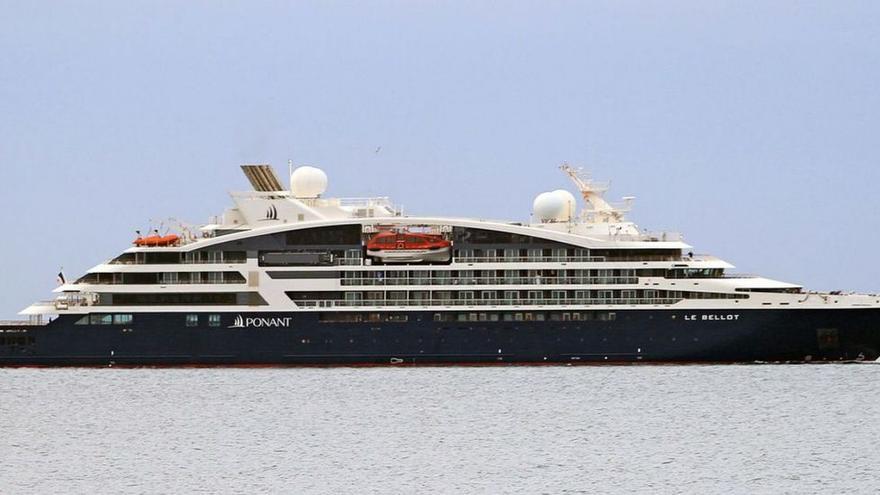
[
  {"x": 489, "y": 281},
  {"x": 527, "y": 259},
  {"x": 341, "y": 303}
]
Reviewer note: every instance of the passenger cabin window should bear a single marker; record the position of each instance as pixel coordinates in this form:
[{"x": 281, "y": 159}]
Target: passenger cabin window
[{"x": 192, "y": 320}]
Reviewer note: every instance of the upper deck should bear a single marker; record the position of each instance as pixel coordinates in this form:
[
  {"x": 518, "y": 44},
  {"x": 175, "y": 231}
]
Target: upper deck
[{"x": 285, "y": 249}]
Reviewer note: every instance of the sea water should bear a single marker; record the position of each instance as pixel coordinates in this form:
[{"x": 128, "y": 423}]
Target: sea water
[{"x": 548, "y": 429}]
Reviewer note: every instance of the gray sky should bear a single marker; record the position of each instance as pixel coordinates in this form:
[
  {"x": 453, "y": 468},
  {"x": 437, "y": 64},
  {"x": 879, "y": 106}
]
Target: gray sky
[{"x": 752, "y": 127}]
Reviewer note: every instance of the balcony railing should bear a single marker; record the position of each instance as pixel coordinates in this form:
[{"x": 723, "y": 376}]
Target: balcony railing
[
  {"x": 390, "y": 303},
  {"x": 182, "y": 261},
  {"x": 204, "y": 281},
  {"x": 527, "y": 259},
  {"x": 490, "y": 281}
]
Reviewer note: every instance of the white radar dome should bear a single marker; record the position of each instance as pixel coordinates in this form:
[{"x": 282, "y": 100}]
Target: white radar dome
[
  {"x": 548, "y": 206},
  {"x": 308, "y": 182},
  {"x": 569, "y": 201}
]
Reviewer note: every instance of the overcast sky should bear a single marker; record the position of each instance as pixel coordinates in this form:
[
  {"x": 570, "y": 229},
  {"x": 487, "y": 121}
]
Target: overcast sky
[{"x": 752, "y": 127}]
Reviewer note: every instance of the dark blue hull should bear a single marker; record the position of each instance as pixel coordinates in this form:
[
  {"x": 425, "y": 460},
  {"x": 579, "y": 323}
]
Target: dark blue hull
[{"x": 307, "y": 339}]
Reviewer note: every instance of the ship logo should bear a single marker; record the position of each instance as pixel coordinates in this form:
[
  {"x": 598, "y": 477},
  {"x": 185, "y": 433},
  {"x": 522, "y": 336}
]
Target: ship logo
[
  {"x": 271, "y": 213},
  {"x": 242, "y": 322}
]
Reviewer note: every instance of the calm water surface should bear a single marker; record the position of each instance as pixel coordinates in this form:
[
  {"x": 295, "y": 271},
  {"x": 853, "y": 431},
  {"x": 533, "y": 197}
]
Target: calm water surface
[{"x": 647, "y": 429}]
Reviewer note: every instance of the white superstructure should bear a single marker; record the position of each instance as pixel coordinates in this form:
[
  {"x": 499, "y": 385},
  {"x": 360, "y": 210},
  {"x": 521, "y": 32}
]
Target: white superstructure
[{"x": 283, "y": 250}]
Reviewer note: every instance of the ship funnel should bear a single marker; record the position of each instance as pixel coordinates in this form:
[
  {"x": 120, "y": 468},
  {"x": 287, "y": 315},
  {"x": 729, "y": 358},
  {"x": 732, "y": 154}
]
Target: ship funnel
[{"x": 262, "y": 178}]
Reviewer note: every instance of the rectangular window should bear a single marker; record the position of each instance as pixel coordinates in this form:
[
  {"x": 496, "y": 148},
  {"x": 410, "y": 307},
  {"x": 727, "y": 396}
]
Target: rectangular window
[
  {"x": 101, "y": 319},
  {"x": 397, "y": 295},
  {"x": 464, "y": 254},
  {"x": 341, "y": 317},
  {"x": 607, "y": 316},
  {"x": 213, "y": 320},
  {"x": 334, "y": 235},
  {"x": 122, "y": 319},
  {"x": 185, "y": 298},
  {"x": 354, "y": 296},
  {"x": 192, "y": 320}
]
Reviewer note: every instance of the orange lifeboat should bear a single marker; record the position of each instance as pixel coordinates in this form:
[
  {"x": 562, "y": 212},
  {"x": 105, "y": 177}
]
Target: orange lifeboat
[
  {"x": 409, "y": 247},
  {"x": 157, "y": 241}
]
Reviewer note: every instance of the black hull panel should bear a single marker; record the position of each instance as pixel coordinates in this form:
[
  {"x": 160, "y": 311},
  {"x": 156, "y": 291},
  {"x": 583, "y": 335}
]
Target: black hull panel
[{"x": 632, "y": 336}]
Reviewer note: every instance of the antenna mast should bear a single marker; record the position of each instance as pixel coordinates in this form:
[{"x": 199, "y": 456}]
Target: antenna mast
[
  {"x": 597, "y": 209},
  {"x": 290, "y": 174}
]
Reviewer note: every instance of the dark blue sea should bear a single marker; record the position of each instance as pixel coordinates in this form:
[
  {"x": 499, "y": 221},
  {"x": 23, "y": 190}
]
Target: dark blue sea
[{"x": 618, "y": 429}]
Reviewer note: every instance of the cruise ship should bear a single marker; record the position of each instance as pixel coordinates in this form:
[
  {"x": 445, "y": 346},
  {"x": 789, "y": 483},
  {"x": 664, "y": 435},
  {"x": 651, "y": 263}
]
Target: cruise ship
[{"x": 290, "y": 276}]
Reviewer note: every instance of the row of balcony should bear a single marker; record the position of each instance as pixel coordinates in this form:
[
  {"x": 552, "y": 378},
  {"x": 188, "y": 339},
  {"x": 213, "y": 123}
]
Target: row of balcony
[
  {"x": 391, "y": 303},
  {"x": 534, "y": 280}
]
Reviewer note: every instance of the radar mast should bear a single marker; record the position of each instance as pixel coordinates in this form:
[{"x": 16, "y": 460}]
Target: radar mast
[{"x": 596, "y": 209}]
